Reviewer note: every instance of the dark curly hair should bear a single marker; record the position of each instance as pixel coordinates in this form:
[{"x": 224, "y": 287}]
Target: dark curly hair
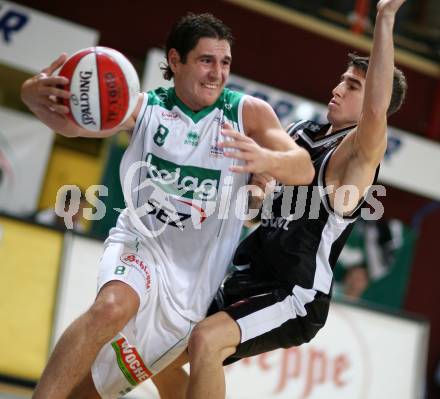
[{"x": 187, "y": 31}]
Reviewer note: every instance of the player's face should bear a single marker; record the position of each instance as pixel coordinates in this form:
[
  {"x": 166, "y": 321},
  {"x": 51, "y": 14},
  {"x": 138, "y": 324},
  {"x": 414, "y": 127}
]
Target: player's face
[
  {"x": 200, "y": 80},
  {"x": 345, "y": 107}
]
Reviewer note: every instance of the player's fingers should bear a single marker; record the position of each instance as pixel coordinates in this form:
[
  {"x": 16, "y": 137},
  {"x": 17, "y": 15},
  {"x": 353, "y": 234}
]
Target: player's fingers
[
  {"x": 239, "y": 145},
  {"x": 265, "y": 176},
  {"x": 55, "y": 64},
  {"x": 267, "y": 180},
  {"x": 59, "y": 109},
  {"x": 227, "y": 125},
  {"x": 238, "y": 155},
  {"x": 55, "y": 81},
  {"x": 53, "y": 91},
  {"x": 55, "y": 116},
  {"x": 54, "y": 106},
  {"x": 259, "y": 180},
  {"x": 235, "y": 135},
  {"x": 240, "y": 169},
  {"x": 262, "y": 183}
]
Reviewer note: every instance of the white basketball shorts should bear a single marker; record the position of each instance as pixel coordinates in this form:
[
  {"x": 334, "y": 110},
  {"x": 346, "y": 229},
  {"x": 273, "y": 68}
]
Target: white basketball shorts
[{"x": 152, "y": 339}]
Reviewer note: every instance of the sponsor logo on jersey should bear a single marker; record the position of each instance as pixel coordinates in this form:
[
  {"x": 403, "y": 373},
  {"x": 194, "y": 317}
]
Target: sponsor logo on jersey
[
  {"x": 133, "y": 260},
  {"x": 190, "y": 182},
  {"x": 171, "y": 216},
  {"x": 192, "y": 138},
  {"x": 276, "y": 222},
  {"x": 168, "y": 115},
  {"x": 130, "y": 362},
  {"x": 215, "y": 151}
]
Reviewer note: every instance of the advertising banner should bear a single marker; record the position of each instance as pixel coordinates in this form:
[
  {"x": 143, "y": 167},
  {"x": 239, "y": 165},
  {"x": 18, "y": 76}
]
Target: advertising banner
[
  {"x": 25, "y": 145},
  {"x": 30, "y": 40},
  {"x": 357, "y": 355}
]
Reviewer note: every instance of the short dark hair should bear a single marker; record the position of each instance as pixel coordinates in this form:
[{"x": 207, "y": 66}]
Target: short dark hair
[
  {"x": 187, "y": 31},
  {"x": 399, "y": 81}
]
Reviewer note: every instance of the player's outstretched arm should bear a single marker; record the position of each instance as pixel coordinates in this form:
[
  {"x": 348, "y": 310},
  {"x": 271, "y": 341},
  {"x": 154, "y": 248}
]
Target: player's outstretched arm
[
  {"x": 267, "y": 148},
  {"x": 371, "y": 137},
  {"x": 41, "y": 93}
]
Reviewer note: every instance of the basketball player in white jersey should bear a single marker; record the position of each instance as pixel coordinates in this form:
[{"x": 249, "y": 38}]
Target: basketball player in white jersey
[
  {"x": 169, "y": 252},
  {"x": 295, "y": 257}
]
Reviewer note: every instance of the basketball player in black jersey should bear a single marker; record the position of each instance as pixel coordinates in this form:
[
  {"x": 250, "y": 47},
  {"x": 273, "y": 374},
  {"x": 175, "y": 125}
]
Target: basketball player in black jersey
[{"x": 284, "y": 291}]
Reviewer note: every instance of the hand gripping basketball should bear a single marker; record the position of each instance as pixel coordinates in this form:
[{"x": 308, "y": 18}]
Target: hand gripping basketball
[{"x": 104, "y": 88}]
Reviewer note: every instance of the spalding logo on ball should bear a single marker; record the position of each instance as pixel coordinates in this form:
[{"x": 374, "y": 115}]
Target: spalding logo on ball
[{"x": 104, "y": 87}]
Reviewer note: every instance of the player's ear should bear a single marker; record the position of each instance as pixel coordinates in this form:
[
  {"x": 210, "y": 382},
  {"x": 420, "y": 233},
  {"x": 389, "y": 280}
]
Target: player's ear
[{"x": 173, "y": 59}]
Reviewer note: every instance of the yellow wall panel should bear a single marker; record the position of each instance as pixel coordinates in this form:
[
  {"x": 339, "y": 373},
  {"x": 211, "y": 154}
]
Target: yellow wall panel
[
  {"x": 29, "y": 265},
  {"x": 69, "y": 167}
]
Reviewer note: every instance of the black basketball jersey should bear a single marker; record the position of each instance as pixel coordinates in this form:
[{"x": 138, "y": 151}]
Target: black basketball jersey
[{"x": 300, "y": 236}]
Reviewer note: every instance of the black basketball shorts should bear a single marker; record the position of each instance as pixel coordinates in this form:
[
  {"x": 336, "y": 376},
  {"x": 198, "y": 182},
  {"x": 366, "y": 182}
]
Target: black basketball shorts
[{"x": 270, "y": 316}]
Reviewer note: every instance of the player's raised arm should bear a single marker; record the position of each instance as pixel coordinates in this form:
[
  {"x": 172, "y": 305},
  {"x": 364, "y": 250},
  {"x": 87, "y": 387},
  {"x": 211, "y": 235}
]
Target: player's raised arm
[
  {"x": 267, "y": 148},
  {"x": 42, "y": 94},
  {"x": 370, "y": 90},
  {"x": 371, "y": 138}
]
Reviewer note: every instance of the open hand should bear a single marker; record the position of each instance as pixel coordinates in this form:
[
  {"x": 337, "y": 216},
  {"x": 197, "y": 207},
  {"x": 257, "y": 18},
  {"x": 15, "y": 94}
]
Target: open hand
[{"x": 256, "y": 157}]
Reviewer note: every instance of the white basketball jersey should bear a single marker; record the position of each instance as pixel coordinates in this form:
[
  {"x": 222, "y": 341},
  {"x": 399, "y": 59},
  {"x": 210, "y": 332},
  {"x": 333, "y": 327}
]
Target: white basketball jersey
[{"x": 181, "y": 195}]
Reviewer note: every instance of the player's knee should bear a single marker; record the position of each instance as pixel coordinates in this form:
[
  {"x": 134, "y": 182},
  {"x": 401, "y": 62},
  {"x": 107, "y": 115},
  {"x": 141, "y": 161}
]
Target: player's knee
[
  {"x": 202, "y": 342},
  {"x": 214, "y": 338},
  {"x": 109, "y": 314}
]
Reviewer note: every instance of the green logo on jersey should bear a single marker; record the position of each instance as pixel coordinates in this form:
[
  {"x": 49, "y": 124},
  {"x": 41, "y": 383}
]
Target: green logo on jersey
[
  {"x": 192, "y": 138},
  {"x": 190, "y": 182}
]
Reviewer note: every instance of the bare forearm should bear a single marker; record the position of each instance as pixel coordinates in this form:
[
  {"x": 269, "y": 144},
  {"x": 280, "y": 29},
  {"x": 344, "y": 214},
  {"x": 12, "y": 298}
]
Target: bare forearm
[
  {"x": 379, "y": 82},
  {"x": 371, "y": 139},
  {"x": 292, "y": 167}
]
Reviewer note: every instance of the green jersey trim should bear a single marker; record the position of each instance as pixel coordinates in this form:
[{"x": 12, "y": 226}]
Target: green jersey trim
[
  {"x": 229, "y": 101},
  {"x": 161, "y": 97},
  {"x": 232, "y": 104},
  {"x": 195, "y": 116}
]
